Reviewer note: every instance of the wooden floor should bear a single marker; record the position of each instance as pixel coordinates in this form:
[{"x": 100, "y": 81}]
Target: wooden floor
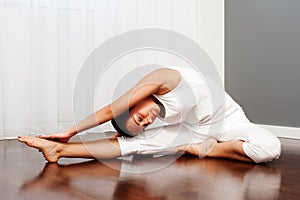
[{"x": 25, "y": 175}]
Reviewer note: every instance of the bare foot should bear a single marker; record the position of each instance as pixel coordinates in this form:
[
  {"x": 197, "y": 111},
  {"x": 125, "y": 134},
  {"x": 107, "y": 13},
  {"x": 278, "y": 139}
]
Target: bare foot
[
  {"x": 198, "y": 149},
  {"x": 51, "y": 150}
]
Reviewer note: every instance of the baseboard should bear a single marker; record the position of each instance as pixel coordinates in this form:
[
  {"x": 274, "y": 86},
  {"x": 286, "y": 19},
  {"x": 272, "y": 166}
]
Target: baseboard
[{"x": 282, "y": 131}]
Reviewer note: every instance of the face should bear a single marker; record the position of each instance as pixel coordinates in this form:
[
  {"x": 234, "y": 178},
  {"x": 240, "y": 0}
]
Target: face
[{"x": 142, "y": 115}]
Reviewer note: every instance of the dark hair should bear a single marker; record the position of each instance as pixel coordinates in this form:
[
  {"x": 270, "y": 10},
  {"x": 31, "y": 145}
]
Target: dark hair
[
  {"x": 120, "y": 121},
  {"x": 119, "y": 124}
]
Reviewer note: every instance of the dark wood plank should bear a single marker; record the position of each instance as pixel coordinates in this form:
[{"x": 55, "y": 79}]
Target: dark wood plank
[{"x": 25, "y": 175}]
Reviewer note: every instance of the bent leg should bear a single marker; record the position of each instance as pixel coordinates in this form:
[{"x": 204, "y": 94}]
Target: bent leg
[
  {"x": 52, "y": 151},
  {"x": 231, "y": 150},
  {"x": 244, "y": 141},
  {"x": 258, "y": 144}
]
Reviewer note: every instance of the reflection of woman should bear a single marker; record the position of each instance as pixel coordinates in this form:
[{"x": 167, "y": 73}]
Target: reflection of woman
[
  {"x": 180, "y": 97},
  {"x": 188, "y": 178}
]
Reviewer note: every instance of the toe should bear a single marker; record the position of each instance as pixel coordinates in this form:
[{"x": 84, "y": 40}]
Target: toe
[
  {"x": 21, "y": 139},
  {"x": 26, "y": 140}
]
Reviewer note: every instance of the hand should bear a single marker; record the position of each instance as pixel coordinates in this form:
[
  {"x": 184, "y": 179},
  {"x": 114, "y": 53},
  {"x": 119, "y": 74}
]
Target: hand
[
  {"x": 115, "y": 136},
  {"x": 200, "y": 149},
  {"x": 60, "y": 137}
]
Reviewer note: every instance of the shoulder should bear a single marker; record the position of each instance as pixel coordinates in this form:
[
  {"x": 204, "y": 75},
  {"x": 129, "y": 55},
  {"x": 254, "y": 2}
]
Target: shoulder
[{"x": 166, "y": 74}]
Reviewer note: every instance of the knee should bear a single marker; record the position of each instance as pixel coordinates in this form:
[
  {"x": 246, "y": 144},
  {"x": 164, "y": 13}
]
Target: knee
[
  {"x": 264, "y": 150},
  {"x": 271, "y": 149}
]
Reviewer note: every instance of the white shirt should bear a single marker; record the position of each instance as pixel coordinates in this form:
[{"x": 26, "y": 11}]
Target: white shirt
[{"x": 189, "y": 116}]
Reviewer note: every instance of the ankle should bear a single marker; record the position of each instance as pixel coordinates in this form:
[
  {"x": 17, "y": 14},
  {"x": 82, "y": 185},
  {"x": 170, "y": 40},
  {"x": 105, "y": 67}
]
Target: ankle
[{"x": 60, "y": 149}]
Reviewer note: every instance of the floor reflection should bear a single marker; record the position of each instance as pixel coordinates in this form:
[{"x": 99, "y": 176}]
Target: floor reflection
[{"x": 188, "y": 177}]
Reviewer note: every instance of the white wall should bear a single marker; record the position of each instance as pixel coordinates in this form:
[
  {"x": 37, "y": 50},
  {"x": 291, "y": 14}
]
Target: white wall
[{"x": 44, "y": 43}]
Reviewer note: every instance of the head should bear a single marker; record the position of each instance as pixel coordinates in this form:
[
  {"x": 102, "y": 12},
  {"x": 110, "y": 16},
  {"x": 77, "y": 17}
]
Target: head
[{"x": 135, "y": 121}]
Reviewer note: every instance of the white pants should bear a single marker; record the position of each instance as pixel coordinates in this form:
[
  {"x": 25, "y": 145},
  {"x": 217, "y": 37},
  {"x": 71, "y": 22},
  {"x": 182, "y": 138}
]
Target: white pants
[{"x": 259, "y": 144}]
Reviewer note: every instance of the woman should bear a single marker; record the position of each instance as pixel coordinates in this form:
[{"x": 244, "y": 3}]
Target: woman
[{"x": 180, "y": 98}]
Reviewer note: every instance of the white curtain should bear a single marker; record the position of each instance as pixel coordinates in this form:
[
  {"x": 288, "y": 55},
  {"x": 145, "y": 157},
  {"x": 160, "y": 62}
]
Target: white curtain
[{"x": 43, "y": 44}]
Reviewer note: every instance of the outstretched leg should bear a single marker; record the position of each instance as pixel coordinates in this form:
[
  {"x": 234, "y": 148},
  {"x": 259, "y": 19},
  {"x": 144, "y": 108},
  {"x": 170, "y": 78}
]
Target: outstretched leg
[{"x": 52, "y": 151}]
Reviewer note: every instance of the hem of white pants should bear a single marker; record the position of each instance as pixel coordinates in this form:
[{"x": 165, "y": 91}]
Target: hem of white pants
[
  {"x": 283, "y": 131},
  {"x": 248, "y": 152}
]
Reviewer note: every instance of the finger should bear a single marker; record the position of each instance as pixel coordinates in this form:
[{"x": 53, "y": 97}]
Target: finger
[
  {"x": 114, "y": 136},
  {"x": 51, "y": 137},
  {"x": 44, "y": 136},
  {"x": 54, "y": 139},
  {"x": 181, "y": 148},
  {"x": 64, "y": 140}
]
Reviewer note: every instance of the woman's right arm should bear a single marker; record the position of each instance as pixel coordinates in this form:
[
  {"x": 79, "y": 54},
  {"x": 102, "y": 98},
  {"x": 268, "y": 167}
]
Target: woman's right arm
[
  {"x": 89, "y": 122},
  {"x": 159, "y": 81}
]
